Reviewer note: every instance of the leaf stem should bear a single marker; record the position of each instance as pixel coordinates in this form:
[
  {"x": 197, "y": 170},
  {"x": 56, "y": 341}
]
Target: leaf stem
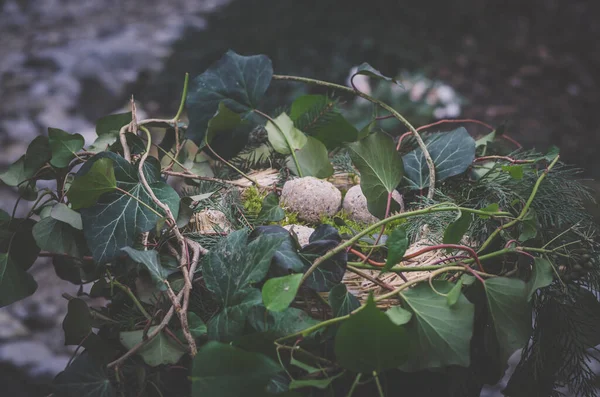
[
  {"x": 379, "y": 388},
  {"x": 354, "y": 384},
  {"x": 183, "y": 98},
  {"x": 385, "y": 106},
  {"x": 231, "y": 165},
  {"x": 132, "y": 296},
  {"x": 139, "y": 201}
]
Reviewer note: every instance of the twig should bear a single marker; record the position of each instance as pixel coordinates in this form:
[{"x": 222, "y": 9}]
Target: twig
[
  {"x": 509, "y": 159},
  {"x": 371, "y": 279}
]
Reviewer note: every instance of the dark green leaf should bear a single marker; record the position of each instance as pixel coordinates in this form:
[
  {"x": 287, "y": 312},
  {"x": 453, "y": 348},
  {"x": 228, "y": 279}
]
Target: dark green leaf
[
  {"x": 16, "y": 173},
  {"x": 325, "y": 232},
  {"x": 510, "y": 312},
  {"x": 75, "y": 271},
  {"x": 287, "y": 322},
  {"x": 283, "y": 136},
  {"x": 369, "y": 341},
  {"x": 77, "y": 323},
  {"x": 15, "y": 282},
  {"x": 197, "y": 326},
  {"x": 223, "y": 370},
  {"x": 439, "y": 333},
  {"x": 313, "y": 160},
  {"x": 341, "y": 301},
  {"x": 112, "y": 124},
  {"x": 239, "y": 82},
  {"x": 397, "y": 244},
  {"x": 529, "y": 227},
  {"x": 160, "y": 350},
  {"x": 456, "y": 230},
  {"x": 515, "y": 171},
  {"x": 270, "y": 210},
  {"x": 279, "y": 292},
  {"x": 117, "y": 218},
  {"x": 541, "y": 276},
  {"x": 380, "y": 168},
  {"x": 85, "y": 377},
  {"x": 64, "y": 146},
  {"x": 59, "y": 237},
  {"x": 331, "y": 271},
  {"x": 151, "y": 262},
  {"x": 317, "y": 116},
  {"x": 38, "y": 153},
  {"x": 14, "y": 236},
  {"x": 286, "y": 259},
  {"x": 62, "y": 213},
  {"x": 452, "y": 153},
  {"x": 492, "y": 209},
  {"x": 316, "y": 383},
  {"x": 368, "y": 70},
  {"x": 86, "y": 189},
  {"x": 454, "y": 293},
  {"x": 398, "y": 315}
]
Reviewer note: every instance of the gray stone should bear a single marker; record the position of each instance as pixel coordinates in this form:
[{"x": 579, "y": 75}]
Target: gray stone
[
  {"x": 311, "y": 198},
  {"x": 302, "y": 232},
  {"x": 355, "y": 205},
  {"x": 11, "y": 327}
]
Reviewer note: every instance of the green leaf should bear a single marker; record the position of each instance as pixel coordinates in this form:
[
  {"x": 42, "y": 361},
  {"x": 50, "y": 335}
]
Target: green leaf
[
  {"x": 397, "y": 244},
  {"x": 117, "y": 218},
  {"x": 369, "y": 341},
  {"x": 279, "y": 292},
  {"x": 77, "y": 323},
  {"x": 197, "y": 326},
  {"x": 15, "y": 282},
  {"x": 341, "y": 301},
  {"x": 439, "y": 333},
  {"x": 85, "y": 377},
  {"x": 510, "y": 311},
  {"x": 223, "y": 370},
  {"x": 270, "y": 210},
  {"x": 14, "y": 235},
  {"x": 38, "y": 153},
  {"x": 228, "y": 132},
  {"x": 515, "y": 171},
  {"x": 58, "y": 237},
  {"x": 16, "y": 173},
  {"x": 368, "y": 70},
  {"x": 229, "y": 323},
  {"x": 62, "y": 213},
  {"x": 529, "y": 227},
  {"x": 111, "y": 124},
  {"x": 283, "y": 136},
  {"x": 454, "y": 293},
  {"x": 313, "y": 159},
  {"x": 452, "y": 153},
  {"x": 86, "y": 189},
  {"x": 279, "y": 324},
  {"x": 398, "y": 315},
  {"x": 64, "y": 146},
  {"x": 150, "y": 260},
  {"x": 380, "y": 168},
  {"x": 456, "y": 230},
  {"x": 316, "y": 383},
  {"x": 239, "y": 82},
  {"x": 492, "y": 209},
  {"x": 286, "y": 259},
  {"x": 541, "y": 276},
  {"x": 317, "y": 116},
  {"x": 160, "y": 350},
  {"x": 330, "y": 272}
]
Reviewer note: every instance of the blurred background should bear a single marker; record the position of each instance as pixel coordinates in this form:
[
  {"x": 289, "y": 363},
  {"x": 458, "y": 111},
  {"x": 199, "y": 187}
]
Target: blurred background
[{"x": 532, "y": 64}]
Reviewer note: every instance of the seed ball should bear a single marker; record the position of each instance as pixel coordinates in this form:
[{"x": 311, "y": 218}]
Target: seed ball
[
  {"x": 311, "y": 198},
  {"x": 355, "y": 205}
]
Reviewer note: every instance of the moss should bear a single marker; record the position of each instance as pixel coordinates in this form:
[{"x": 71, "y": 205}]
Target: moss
[
  {"x": 252, "y": 200},
  {"x": 291, "y": 218},
  {"x": 357, "y": 226}
]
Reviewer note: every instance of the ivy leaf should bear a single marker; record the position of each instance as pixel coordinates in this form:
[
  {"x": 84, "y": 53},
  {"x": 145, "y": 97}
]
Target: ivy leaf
[
  {"x": 341, "y": 301},
  {"x": 16, "y": 173},
  {"x": 313, "y": 160},
  {"x": 86, "y": 189},
  {"x": 14, "y": 235},
  {"x": 229, "y": 130},
  {"x": 397, "y": 245},
  {"x": 515, "y": 171},
  {"x": 369, "y": 341},
  {"x": 160, "y": 350},
  {"x": 238, "y": 81},
  {"x": 62, "y": 213},
  {"x": 85, "y": 377},
  {"x": 38, "y": 153},
  {"x": 456, "y": 230},
  {"x": 454, "y": 293},
  {"x": 77, "y": 324},
  {"x": 398, "y": 315},
  {"x": 117, "y": 218},
  {"x": 283, "y": 136},
  {"x": 58, "y": 237},
  {"x": 150, "y": 260},
  {"x": 226, "y": 371},
  {"x": 452, "y": 153},
  {"x": 279, "y": 324},
  {"x": 64, "y": 146},
  {"x": 492, "y": 209},
  {"x": 529, "y": 227},
  {"x": 380, "y": 168},
  {"x": 330, "y": 272},
  {"x": 270, "y": 210},
  {"x": 510, "y": 311},
  {"x": 229, "y": 323},
  {"x": 368, "y": 70},
  {"x": 440, "y": 333},
  {"x": 317, "y": 116},
  {"x": 197, "y": 326},
  {"x": 15, "y": 282},
  {"x": 286, "y": 259},
  {"x": 112, "y": 123},
  {"x": 279, "y": 292},
  {"x": 541, "y": 276}
]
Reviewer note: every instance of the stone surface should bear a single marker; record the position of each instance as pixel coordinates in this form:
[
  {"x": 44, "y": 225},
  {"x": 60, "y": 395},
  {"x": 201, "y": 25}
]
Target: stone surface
[
  {"x": 355, "y": 205},
  {"x": 311, "y": 198},
  {"x": 303, "y": 233}
]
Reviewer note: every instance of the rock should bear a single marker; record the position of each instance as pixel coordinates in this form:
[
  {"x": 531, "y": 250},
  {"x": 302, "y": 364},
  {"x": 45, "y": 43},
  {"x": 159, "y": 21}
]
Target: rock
[
  {"x": 355, "y": 205},
  {"x": 303, "y": 233},
  {"x": 10, "y": 327},
  {"x": 311, "y": 198}
]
